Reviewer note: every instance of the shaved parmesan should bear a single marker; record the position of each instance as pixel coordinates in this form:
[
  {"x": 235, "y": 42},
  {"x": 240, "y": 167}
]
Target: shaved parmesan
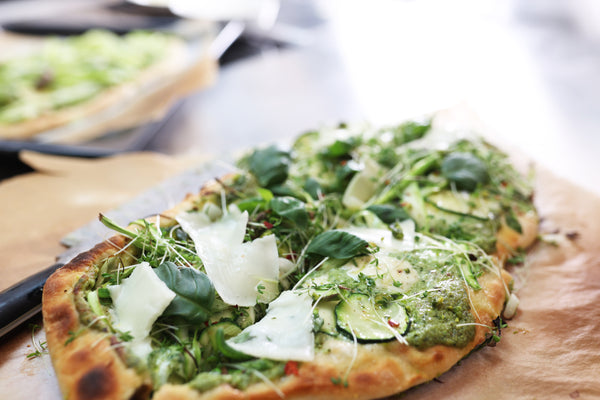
[
  {"x": 236, "y": 269},
  {"x": 138, "y": 301},
  {"x": 285, "y": 333},
  {"x": 362, "y": 185}
]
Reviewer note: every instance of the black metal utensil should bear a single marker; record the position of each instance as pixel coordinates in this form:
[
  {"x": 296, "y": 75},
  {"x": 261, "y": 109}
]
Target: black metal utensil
[{"x": 23, "y": 300}]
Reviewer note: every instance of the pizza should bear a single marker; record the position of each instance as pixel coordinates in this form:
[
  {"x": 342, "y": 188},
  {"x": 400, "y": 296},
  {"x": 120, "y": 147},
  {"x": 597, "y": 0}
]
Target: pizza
[
  {"x": 69, "y": 79},
  {"x": 357, "y": 264}
]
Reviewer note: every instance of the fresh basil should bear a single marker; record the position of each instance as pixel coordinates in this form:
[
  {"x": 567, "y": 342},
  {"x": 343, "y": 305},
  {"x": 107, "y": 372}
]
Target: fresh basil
[
  {"x": 259, "y": 202},
  {"x": 389, "y": 213},
  {"x": 341, "y": 148},
  {"x": 411, "y": 130},
  {"x": 194, "y": 292},
  {"x": 337, "y": 244},
  {"x": 291, "y": 209},
  {"x": 285, "y": 190},
  {"x": 512, "y": 222},
  {"x": 343, "y": 175},
  {"x": 465, "y": 170},
  {"x": 270, "y": 165},
  {"x": 313, "y": 188}
]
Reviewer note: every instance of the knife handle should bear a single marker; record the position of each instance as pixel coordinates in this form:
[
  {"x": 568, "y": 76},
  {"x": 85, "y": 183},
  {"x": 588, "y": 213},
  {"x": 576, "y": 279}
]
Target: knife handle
[{"x": 22, "y": 301}]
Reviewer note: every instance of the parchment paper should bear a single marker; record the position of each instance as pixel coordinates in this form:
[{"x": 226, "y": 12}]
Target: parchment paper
[
  {"x": 551, "y": 349},
  {"x": 40, "y": 208}
]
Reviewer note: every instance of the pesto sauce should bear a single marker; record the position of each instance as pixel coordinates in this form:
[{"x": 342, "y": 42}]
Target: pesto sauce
[
  {"x": 480, "y": 233},
  {"x": 238, "y": 378},
  {"x": 437, "y": 305}
]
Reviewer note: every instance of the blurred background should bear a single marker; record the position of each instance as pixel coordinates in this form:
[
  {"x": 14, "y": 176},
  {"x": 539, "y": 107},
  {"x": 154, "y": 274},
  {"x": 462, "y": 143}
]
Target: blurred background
[{"x": 530, "y": 69}]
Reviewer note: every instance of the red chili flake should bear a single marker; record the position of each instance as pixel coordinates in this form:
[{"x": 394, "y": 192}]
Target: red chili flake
[
  {"x": 343, "y": 162},
  {"x": 268, "y": 225},
  {"x": 387, "y": 181},
  {"x": 503, "y": 184},
  {"x": 403, "y": 204},
  {"x": 224, "y": 371},
  {"x": 393, "y": 323},
  {"x": 291, "y": 368},
  {"x": 291, "y": 256}
]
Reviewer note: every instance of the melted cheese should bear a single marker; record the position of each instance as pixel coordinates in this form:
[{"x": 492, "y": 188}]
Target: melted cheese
[{"x": 285, "y": 333}]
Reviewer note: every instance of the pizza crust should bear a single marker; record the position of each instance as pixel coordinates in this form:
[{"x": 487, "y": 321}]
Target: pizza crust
[{"x": 91, "y": 366}]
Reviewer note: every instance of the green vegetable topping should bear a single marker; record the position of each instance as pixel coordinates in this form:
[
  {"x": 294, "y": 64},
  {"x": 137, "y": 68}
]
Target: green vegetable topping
[
  {"x": 389, "y": 213},
  {"x": 337, "y": 244},
  {"x": 291, "y": 209},
  {"x": 465, "y": 170},
  {"x": 194, "y": 293},
  {"x": 269, "y": 166}
]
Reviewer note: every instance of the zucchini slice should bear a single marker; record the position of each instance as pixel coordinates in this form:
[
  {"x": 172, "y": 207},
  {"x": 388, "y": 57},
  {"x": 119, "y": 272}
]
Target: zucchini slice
[
  {"x": 463, "y": 204},
  {"x": 359, "y": 316},
  {"x": 326, "y": 311}
]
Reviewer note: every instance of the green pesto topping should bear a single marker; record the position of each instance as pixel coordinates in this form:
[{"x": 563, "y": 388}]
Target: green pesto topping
[{"x": 438, "y": 306}]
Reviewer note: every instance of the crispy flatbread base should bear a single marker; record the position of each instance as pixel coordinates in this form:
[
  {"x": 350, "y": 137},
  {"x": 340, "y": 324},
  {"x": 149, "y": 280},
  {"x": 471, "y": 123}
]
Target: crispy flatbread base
[{"x": 92, "y": 366}]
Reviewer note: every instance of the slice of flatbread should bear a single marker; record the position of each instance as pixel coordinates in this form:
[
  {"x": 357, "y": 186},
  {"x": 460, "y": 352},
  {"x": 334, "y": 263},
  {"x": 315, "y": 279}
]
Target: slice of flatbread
[
  {"x": 62, "y": 123},
  {"x": 372, "y": 306}
]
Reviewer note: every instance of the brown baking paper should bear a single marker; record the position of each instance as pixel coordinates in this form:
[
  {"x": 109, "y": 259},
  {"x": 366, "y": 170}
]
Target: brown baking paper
[
  {"x": 550, "y": 350},
  {"x": 40, "y": 208}
]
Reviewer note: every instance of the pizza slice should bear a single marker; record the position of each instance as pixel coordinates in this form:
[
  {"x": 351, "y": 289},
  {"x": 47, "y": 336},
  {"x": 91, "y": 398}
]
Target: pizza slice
[
  {"x": 345, "y": 268},
  {"x": 69, "y": 79}
]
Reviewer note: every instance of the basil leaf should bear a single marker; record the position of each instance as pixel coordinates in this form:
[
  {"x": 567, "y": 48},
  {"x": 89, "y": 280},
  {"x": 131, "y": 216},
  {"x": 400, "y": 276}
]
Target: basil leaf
[
  {"x": 291, "y": 209},
  {"x": 343, "y": 175},
  {"x": 388, "y": 213},
  {"x": 313, "y": 188},
  {"x": 341, "y": 148},
  {"x": 337, "y": 244},
  {"x": 251, "y": 203},
  {"x": 258, "y": 202},
  {"x": 465, "y": 170},
  {"x": 512, "y": 222},
  {"x": 284, "y": 190},
  {"x": 270, "y": 166},
  {"x": 411, "y": 130},
  {"x": 194, "y": 292}
]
